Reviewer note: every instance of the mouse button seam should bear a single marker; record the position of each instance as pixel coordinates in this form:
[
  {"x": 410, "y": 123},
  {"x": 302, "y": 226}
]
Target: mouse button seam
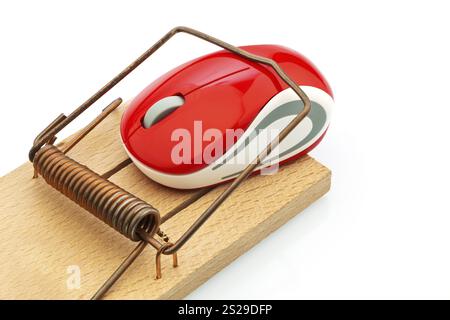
[{"x": 218, "y": 79}]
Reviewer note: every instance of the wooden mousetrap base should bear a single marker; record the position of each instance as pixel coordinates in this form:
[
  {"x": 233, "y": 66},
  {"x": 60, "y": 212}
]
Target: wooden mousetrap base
[{"x": 43, "y": 235}]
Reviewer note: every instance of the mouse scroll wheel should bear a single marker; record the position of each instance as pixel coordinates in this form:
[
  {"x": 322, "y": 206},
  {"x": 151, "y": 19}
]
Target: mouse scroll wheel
[{"x": 161, "y": 109}]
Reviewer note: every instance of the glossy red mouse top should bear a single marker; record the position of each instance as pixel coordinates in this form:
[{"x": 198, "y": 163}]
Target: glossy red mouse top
[{"x": 221, "y": 89}]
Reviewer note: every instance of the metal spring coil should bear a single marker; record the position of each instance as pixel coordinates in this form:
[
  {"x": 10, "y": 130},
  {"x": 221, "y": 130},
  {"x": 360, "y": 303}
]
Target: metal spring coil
[{"x": 116, "y": 207}]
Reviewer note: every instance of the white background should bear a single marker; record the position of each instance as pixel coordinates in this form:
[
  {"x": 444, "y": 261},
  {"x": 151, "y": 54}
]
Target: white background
[{"x": 383, "y": 231}]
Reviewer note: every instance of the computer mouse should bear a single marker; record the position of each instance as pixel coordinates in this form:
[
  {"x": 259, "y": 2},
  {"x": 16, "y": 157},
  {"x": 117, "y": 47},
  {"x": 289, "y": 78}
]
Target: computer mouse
[{"x": 201, "y": 123}]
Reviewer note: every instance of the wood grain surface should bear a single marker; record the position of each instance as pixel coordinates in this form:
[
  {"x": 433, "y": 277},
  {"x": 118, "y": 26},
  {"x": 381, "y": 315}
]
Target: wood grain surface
[{"x": 43, "y": 234}]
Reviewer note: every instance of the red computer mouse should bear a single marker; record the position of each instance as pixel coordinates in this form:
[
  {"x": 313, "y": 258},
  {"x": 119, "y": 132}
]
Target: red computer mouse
[{"x": 201, "y": 123}]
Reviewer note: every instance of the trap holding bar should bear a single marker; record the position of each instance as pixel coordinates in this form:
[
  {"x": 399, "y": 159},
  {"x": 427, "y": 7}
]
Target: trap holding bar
[{"x": 124, "y": 212}]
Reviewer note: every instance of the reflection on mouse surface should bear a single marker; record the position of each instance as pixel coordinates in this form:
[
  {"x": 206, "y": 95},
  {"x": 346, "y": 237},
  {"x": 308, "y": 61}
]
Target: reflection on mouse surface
[{"x": 201, "y": 123}]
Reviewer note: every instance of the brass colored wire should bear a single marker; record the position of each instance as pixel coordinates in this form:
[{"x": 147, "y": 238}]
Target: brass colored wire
[
  {"x": 116, "y": 207},
  {"x": 119, "y": 209}
]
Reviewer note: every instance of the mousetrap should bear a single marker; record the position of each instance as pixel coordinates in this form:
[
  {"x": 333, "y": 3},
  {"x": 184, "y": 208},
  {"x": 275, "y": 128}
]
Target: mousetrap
[{"x": 47, "y": 240}]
